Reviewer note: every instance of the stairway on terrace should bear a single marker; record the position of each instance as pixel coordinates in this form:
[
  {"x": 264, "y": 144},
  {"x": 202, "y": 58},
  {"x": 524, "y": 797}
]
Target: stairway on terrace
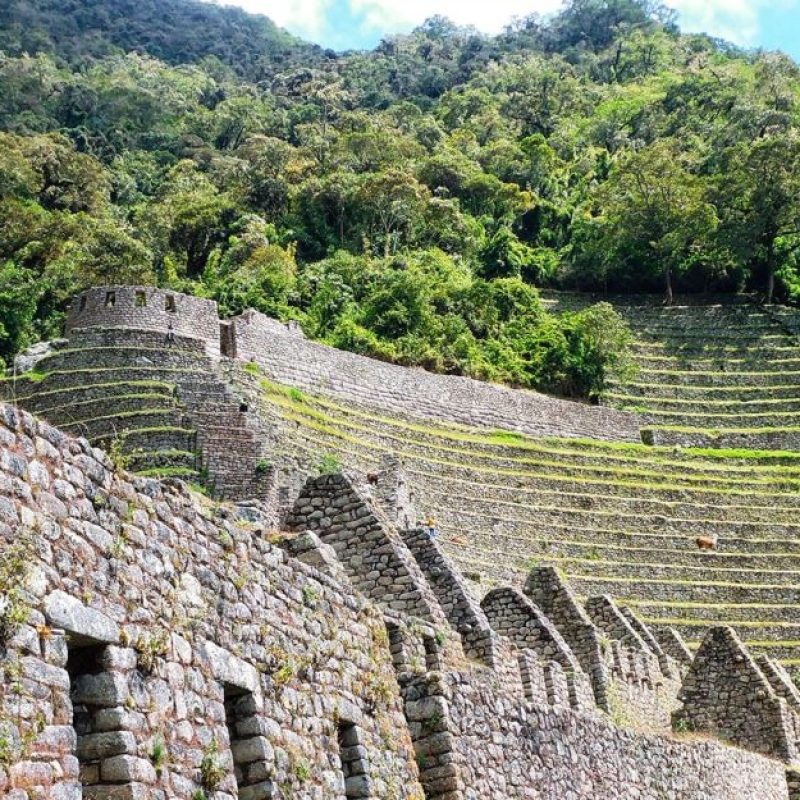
[
  {"x": 161, "y": 408},
  {"x": 616, "y": 518},
  {"x": 721, "y": 375}
]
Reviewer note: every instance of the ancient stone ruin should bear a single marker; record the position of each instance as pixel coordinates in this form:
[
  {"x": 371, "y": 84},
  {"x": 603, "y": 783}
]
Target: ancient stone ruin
[{"x": 294, "y": 631}]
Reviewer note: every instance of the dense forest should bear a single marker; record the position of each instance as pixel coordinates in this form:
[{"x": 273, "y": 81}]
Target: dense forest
[{"x": 405, "y": 202}]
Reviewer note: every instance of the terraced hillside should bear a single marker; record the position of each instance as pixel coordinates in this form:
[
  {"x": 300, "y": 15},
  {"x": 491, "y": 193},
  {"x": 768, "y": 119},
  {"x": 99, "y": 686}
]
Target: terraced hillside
[
  {"x": 720, "y": 375},
  {"x": 616, "y": 518},
  {"x": 162, "y": 409}
]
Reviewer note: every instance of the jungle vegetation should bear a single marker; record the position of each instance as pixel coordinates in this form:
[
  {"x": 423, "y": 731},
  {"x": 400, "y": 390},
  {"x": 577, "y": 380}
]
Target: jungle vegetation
[{"x": 408, "y": 202}]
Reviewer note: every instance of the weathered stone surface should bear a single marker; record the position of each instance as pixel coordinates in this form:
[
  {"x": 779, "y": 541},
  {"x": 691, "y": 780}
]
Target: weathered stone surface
[{"x": 78, "y": 619}]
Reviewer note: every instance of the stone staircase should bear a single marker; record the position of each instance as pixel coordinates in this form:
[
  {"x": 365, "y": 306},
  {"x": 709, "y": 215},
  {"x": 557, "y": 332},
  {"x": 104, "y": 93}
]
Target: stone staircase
[{"x": 164, "y": 410}]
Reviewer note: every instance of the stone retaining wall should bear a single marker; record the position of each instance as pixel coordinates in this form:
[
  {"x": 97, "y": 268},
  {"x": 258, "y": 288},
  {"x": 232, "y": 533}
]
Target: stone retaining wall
[
  {"x": 155, "y": 647},
  {"x": 147, "y": 308},
  {"x": 287, "y": 357},
  {"x": 517, "y": 752}
]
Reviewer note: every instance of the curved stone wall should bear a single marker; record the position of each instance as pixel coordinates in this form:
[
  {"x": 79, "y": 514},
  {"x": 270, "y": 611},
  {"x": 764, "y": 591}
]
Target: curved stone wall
[{"x": 147, "y": 308}]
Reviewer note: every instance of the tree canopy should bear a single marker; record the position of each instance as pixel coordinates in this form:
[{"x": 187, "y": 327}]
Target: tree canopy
[{"x": 406, "y": 202}]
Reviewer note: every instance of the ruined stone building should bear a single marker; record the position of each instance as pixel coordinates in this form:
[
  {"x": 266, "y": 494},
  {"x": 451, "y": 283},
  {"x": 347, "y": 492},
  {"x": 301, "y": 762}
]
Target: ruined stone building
[{"x": 215, "y": 583}]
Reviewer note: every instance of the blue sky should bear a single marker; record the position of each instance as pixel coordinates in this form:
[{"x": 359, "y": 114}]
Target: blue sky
[{"x": 343, "y": 24}]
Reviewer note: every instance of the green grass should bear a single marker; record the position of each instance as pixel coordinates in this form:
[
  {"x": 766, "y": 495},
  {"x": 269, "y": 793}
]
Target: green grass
[
  {"x": 128, "y": 432},
  {"x": 167, "y": 387},
  {"x": 622, "y": 451},
  {"x": 166, "y": 472},
  {"x": 123, "y": 415},
  {"x": 715, "y": 433},
  {"x": 322, "y": 422},
  {"x": 682, "y": 401},
  {"x": 110, "y": 400}
]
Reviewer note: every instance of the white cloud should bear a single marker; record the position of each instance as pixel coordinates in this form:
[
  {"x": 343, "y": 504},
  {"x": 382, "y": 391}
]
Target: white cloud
[
  {"x": 306, "y": 17},
  {"x": 490, "y": 17},
  {"x": 735, "y": 20}
]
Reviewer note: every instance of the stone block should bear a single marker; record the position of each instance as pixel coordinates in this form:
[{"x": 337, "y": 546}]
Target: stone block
[
  {"x": 127, "y": 769},
  {"x": 257, "y": 748},
  {"x": 105, "y": 689},
  {"x": 96, "y": 746},
  {"x": 258, "y": 791},
  {"x": 79, "y": 621},
  {"x": 228, "y": 668}
]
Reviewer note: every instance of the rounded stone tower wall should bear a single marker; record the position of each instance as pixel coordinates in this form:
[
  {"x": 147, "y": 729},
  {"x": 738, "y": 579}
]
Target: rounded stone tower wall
[{"x": 147, "y": 308}]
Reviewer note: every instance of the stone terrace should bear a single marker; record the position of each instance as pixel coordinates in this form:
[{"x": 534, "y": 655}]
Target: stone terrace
[
  {"x": 618, "y": 519},
  {"x": 162, "y": 406},
  {"x": 724, "y": 375}
]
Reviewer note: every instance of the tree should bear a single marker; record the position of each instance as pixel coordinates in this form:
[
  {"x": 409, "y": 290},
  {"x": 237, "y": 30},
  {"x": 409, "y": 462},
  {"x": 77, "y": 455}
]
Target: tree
[
  {"x": 761, "y": 194},
  {"x": 654, "y": 216}
]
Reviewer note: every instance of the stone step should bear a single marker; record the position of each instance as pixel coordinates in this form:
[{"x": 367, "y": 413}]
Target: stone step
[
  {"x": 151, "y": 440},
  {"x": 119, "y": 356},
  {"x": 696, "y": 591},
  {"x": 686, "y": 554},
  {"x": 759, "y": 362},
  {"x": 138, "y": 461},
  {"x": 775, "y": 632},
  {"x": 687, "y": 504},
  {"x": 665, "y": 613},
  {"x": 699, "y": 392},
  {"x": 692, "y": 406},
  {"x": 658, "y": 570},
  {"x": 730, "y": 420},
  {"x": 65, "y": 379},
  {"x": 765, "y": 378},
  {"x": 115, "y": 425},
  {"x": 81, "y": 410},
  {"x": 127, "y": 337},
  {"x": 785, "y": 438},
  {"x": 547, "y": 528},
  {"x": 774, "y": 346}
]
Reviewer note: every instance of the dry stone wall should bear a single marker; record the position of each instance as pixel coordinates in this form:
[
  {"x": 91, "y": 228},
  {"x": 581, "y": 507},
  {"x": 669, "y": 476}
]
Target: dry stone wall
[
  {"x": 169, "y": 650},
  {"x": 540, "y": 753},
  {"x": 725, "y": 694},
  {"x": 166, "y": 648},
  {"x": 287, "y": 357},
  {"x": 147, "y": 308}
]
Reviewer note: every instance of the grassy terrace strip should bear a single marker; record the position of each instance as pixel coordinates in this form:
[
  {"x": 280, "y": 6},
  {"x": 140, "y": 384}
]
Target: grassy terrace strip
[
  {"x": 432, "y": 478},
  {"x": 302, "y": 412},
  {"x": 127, "y": 432},
  {"x": 651, "y": 487},
  {"x": 683, "y": 568},
  {"x": 127, "y": 415},
  {"x": 41, "y": 376},
  {"x": 124, "y": 348},
  {"x": 683, "y": 401},
  {"x": 713, "y": 432},
  {"x": 618, "y": 451},
  {"x": 455, "y": 469},
  {"x": 722, "y": 374},
  {"x": 105, "y": 385},
  {"x": 94, "y": 401},
  {"x": 703, "y": 389}
]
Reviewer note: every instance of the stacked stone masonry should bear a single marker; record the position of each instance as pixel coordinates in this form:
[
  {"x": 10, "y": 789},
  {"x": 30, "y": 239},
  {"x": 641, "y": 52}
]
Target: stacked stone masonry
[
  {"x": 183, "y": 649},
  {"x": 616, "y": 520},
  {"x": 168, "y": 649},
  {"x": 287, "y": 357}
]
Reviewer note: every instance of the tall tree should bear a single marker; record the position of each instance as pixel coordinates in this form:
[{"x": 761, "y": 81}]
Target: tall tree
[
  {"x": 655, "y": 215},
  {"x": 761, "y": 191}
]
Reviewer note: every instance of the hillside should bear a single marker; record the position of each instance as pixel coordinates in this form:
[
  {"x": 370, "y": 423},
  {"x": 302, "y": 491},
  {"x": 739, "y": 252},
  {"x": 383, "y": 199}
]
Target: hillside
[
  {"x": 406, "y": 202},
  {"x": 174, "y": 31}
]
